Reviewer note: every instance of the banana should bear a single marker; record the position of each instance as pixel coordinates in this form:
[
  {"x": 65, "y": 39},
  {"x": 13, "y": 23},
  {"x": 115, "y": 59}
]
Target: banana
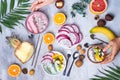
[{"x": 107, "y": 32}]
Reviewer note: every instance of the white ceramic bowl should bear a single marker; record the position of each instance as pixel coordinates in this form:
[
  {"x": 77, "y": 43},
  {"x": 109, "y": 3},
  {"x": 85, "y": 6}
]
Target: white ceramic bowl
[{"x": 64, "y": 64}]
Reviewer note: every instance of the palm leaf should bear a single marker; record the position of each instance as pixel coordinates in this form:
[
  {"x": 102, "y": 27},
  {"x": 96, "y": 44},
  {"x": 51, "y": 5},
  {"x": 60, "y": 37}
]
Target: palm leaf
[
  {"x": 112, "y": 74},
  {"x": 3, "y": 7},
  {"x": 0, "y": 9},
  {"x": 0, "y": 29},
  {"x": 12, "y": 4},
  {"x": 15, "y": 14}
]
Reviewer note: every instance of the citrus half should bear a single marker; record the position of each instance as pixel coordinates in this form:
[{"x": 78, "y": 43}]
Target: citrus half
[
  {"x": 59, "y": 18},
  {"x": 48, "y": 38},
  {"x": 14, "y": 70}
]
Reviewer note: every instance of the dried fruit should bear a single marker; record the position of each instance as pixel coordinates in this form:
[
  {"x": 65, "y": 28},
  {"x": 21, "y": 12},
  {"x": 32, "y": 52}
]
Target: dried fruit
[
  {"x": 59, "y": 4},
  {"x": 31, "y": 36},
  {"x": 78, "y": 63},
  {"x": 50, "y": 47},
  {"x": 82, "y": 51},
  {"x": 96, "y": 17},
  {"x": 101, "y": 22},
  {"x": 86, "y": 45},
  {"x": 81, "y": 57},
  {"x": 109, "y": 17},
  {"x": 14, "y": 70},
  {"x": 79, "y": 47},
  {"x": 25, "y": 70},
  {"x": 32, "y": 72}
]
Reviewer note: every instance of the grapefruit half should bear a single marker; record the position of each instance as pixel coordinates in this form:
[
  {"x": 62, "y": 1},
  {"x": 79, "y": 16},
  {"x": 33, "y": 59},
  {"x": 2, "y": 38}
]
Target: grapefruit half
[{"x": 98, "y": 6}]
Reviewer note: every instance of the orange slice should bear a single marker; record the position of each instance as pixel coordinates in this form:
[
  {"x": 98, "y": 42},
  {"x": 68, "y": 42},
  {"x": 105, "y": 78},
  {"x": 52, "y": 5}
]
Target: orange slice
[
  {"x": 59, "y": 18},
  {"x": 48, "y": 38},
  {"x": 14, "y": 70}
]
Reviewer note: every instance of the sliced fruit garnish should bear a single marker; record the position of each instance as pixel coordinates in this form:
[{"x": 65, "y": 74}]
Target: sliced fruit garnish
[
  {"x": 14, "y": 70},
  {"x": 59, "y": 18},
  {"x": 69, "y": 35},
  {"x": 48, "y": 38}
]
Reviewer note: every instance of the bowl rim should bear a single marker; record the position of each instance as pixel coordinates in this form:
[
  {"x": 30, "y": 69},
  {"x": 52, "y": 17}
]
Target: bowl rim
[
  {"x": 61, "y": 70},
  {"x": 89, "y": 56},
  {"x": 32, "y": 14}
]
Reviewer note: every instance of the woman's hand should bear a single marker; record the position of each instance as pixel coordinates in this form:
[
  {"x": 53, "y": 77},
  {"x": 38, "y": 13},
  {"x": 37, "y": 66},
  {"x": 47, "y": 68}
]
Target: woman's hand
[
  {"x": 115, "y": 46},
  {"x": 40, "y": 3}
]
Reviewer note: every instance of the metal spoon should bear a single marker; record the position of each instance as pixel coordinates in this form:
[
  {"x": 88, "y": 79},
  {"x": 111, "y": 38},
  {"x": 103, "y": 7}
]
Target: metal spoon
[
  {"x": 93, "y": 37},
  {"x": 68, "y": 57},
  {"x": 75, "y": 56},
  {"x": 88, "y": 45}
]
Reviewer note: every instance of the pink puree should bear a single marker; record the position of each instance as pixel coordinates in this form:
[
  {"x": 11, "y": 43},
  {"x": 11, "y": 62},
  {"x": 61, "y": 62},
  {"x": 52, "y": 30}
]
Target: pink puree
[{"x": 37, "y": 22}]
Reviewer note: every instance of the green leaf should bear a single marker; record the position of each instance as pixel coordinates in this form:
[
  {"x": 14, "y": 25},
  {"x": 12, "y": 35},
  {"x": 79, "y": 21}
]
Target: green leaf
[
  {"x": 0, "y": 29},
  {"x": 7, "y": 25},
  {"x": 0, "y": 9},
  {"x": 22, "y": 9},
  {"x": 113, "y": 73},
  {"x": 19, "y": 2},
  {"x": 108, "y": 75},
  {"x": 117, "y": 67},
  {"x": 115, "y": 70},
  {"x": 24, "y": 5},
  {"x": 16, "y": 13},
  {"x": 12, "y": 4},
  {"x": 102, "y": 78},
  {"x": 22, "y": 2},
  {"x": 4, "y": 7},
  {"x": 15, "y": 16},
  {"x": 21, "y": 12}
]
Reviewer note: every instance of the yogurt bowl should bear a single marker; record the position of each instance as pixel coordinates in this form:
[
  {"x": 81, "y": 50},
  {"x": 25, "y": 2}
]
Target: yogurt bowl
[
  {"x": 53, "y": 63},
  {"x": 95, "y": 54},
  {"x": 36, "y": 22}
]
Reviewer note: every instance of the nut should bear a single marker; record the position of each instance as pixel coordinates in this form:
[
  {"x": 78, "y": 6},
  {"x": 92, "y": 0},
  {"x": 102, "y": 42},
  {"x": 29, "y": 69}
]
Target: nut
[
  {"x": 86, "y": 45},
  {"x": 81, "y": 57},
  {"x": 82, "y": 51},
  {"x": 96, "y": 17},
  {"x": 32, "y": 72},
  {"x": 59, "y": 4},
  {"x": 79, "y": 47},
  {"x": 101, "y": 22},
  {"x": 109, "y": 17},
  {"x": 78, "y": 63},
  {"x": 50, "y": 47},
  {"x": 25, "y": 70}
]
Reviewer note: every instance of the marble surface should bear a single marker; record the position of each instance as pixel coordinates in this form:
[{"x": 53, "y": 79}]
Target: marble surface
[{"x": 88, "y": 69}]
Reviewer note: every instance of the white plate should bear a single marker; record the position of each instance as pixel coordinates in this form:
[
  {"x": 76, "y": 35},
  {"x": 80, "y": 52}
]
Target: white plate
[{"x": 64, "y": 63}]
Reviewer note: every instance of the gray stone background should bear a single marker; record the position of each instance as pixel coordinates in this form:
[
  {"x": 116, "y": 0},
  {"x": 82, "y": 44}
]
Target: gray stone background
[{"x": 85, "y": 24}]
